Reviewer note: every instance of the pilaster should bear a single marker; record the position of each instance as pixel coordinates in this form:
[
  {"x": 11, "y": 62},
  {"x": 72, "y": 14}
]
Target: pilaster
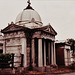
[
  {"x": 4, "y": 46},
  {"x": 24, "y": 44}
]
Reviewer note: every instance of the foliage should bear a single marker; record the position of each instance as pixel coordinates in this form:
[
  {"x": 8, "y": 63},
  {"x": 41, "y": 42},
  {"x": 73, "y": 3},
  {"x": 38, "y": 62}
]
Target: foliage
[
  {"x": 72, "y": 43},
  {"x": 54, "y": 66},
  {"x": 72, "y": 66},
  {"x": 5, "y": 60},
  {"x": 5, "y": 57}
]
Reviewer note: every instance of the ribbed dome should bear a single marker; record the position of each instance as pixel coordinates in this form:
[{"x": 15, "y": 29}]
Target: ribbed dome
[{"x": 29, "y": 18}]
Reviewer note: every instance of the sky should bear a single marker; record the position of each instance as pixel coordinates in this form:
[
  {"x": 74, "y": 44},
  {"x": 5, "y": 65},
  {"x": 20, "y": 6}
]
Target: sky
[{"x": 59, "y": 13}]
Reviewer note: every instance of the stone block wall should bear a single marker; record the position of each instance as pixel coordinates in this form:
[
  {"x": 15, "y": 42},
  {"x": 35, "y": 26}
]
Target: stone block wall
[{"x": 13, "y": 44}]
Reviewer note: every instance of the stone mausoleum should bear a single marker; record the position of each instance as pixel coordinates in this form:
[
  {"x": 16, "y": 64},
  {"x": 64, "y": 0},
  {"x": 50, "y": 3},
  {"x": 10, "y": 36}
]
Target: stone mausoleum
[{"x": 28, "y": 36}]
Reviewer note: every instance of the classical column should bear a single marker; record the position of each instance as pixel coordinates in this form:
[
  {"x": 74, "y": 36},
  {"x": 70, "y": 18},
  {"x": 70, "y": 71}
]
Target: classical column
[
  {"x": 49, "y": 51},
  {"x": 44, "y": 53},
  {"x": 40, "y": 59},
  {"x": 33, "y": 53},
  {"x": 52, "y": 53},
  {"x": 24, "y": 44}
]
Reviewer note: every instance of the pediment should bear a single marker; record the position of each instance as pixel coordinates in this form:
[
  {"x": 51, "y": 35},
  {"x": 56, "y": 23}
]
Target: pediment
[
  {"x": 49, "y": 29},
  {"x": 12, "y": 27}
]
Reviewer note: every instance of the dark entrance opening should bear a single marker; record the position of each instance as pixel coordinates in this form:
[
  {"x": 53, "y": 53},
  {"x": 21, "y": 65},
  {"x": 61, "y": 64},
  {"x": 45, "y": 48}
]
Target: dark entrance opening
[
  {"x": 50, "y": 52},
  {"x": 36, "y": 51},
  {"x": 1, "y": 51},
  {"x": 47, "y": 57},
  {"x": 43, "y": 51},
  {"x": 60, "y": 56},
  {"x": 29, "y": 53}
]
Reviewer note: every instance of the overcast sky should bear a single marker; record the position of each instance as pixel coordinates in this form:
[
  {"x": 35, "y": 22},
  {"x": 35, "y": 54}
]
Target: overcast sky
[{"x": 59, "y": 13}]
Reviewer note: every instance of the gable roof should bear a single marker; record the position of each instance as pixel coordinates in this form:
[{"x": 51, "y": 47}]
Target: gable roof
[
  {"x": 48, "y": 29},
  {"x": 13, "y": 27}
]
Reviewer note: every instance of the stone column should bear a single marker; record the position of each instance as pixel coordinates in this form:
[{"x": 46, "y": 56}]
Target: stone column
[
  {"x": 49, "y": 51},
  {"x": 40, "y": 59},
  {"x": 33, "y": 53},
  {"x": 52, "y": 53},
  {"x": 24, "y": 51},
  {"x": 44, "y": 53}
]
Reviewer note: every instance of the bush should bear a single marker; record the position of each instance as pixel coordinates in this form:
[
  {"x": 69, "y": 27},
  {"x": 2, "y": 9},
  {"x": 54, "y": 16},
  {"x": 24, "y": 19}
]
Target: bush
[
  {"x": 54, "y": 66},
  {"x": 72, "y": 66},
  {"x": 5, "y": 60}
]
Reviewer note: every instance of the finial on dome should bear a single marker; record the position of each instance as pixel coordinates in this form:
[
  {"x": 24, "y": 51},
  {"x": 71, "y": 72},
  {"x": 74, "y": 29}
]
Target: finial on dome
[
  {"x": 28, "y": 7},
  {"x": 28, "y": 2}
]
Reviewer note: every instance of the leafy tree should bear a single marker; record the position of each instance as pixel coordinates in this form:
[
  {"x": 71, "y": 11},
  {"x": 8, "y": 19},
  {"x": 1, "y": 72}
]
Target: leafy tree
[{"x": 72, "y": 43}]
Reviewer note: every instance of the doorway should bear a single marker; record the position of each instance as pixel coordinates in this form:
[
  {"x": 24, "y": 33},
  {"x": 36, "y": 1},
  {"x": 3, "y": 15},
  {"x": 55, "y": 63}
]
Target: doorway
[{"x": 36, "y": 51}]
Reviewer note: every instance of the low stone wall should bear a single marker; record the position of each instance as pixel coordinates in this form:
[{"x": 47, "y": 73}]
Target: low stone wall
[{"x": 9, "y": 71}]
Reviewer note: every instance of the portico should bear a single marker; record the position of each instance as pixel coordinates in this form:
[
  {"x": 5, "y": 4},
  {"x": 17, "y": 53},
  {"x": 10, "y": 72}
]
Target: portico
[{"x": 43, "y": 51}]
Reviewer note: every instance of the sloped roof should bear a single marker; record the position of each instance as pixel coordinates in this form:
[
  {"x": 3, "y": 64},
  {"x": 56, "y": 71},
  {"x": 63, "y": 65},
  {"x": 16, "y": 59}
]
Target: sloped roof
[
  {"x": 48, "y": 29},
  {"x": 13, "y": 27},
  {"x": 62, "y": 42}
]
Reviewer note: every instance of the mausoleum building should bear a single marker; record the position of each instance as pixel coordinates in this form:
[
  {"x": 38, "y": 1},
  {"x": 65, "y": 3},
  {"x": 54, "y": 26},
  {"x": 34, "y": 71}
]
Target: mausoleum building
[{"x": 30, "y": 37}]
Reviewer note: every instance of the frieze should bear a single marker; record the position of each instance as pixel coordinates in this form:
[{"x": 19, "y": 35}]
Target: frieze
[
  {"x": 15, "y": 34},
  {"x": 13, "y": 41},
  {"x": 37, "y": 34},
  {"x": 47, "y": 36}
]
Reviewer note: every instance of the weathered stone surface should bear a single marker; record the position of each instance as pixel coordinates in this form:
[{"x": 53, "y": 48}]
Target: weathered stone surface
[{"x": 20, "y": 42}]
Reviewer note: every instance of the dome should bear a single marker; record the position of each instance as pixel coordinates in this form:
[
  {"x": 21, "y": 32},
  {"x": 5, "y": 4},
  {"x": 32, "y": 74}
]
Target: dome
[{"x": 29, "y": 18}]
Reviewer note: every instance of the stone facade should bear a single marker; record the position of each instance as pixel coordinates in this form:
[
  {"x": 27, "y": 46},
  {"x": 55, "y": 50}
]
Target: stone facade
[
  {"x": 63, "y": 56},
  {"x": 37, "y": 45},
  {"x": 1, "y": 43}
]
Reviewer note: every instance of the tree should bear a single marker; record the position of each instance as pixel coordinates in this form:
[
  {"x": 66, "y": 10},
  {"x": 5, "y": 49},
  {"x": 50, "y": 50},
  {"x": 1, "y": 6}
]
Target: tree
[{"x": 72, "y": 43}]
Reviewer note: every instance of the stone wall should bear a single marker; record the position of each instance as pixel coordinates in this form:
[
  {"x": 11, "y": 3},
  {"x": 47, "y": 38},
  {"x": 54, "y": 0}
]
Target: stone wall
[
  {"x": 13, "y": 44},
  {"x": 67, "y": 55}
]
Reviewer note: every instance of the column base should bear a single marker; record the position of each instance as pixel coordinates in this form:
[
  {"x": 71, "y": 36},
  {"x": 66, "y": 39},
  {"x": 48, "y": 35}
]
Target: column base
[
  {"x": 40, "y": 69},
  {"x": 54, "y": 66},
  {"x": 48, "y": 68}
]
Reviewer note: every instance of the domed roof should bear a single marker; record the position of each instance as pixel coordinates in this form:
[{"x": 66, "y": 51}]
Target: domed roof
[{"x": 29, "y": 18}]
